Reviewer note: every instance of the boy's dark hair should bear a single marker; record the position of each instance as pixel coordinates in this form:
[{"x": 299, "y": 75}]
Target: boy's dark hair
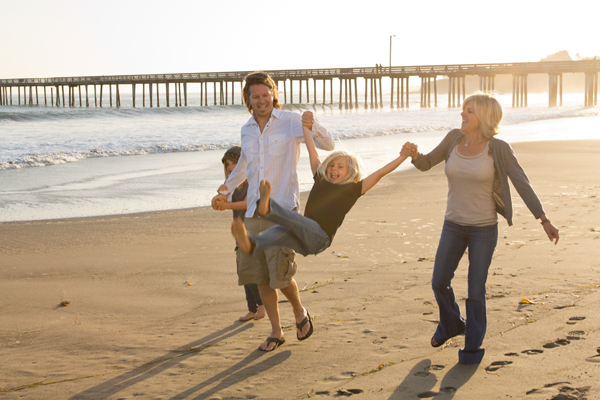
[
  {"x": 233, "y": 154},
  {"x": 259, "y": 78}
]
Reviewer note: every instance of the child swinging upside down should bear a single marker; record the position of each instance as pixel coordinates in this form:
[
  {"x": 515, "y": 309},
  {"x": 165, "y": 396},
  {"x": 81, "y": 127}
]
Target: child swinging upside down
[{"x": 337, "y": 186}]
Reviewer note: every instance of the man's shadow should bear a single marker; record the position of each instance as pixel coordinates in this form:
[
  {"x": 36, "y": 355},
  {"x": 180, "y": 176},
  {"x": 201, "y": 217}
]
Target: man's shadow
[
  {"x": 419, "y": 379},
  {"x": 169, "y": 360},
  {"x": 235, "y": 374}
]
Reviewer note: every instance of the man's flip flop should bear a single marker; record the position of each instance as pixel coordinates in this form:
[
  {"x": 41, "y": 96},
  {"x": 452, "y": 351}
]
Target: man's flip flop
[
  {"x": 278, "y": 342},
  {"x": 305, "y": 321}
]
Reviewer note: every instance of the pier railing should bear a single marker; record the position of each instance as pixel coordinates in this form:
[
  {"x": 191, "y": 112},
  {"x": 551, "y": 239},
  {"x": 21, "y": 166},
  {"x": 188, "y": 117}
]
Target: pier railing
[
  {"x": 346, "y": 76},
  {"x": 542, "y": 67}
]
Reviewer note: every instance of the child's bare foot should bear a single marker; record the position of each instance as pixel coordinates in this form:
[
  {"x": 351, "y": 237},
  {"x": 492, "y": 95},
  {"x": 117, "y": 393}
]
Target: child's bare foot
[
  {"x": 241, "y": 236},
  {"x": 260, "y": 313},
  {"x": 247, "y": 317},
  {"x": 265, "y": 194}
]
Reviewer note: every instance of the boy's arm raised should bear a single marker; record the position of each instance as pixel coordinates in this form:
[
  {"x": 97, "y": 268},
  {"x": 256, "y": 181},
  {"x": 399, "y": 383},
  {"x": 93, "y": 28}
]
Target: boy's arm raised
[
  {"x": 315, "y": 161},
  {"x": 372, "y": 179}
]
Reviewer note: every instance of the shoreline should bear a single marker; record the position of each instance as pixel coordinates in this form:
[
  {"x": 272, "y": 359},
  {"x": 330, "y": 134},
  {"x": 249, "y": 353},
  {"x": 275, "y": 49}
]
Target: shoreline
[
  {"x": 168, "y": 181},
  {"x": 153, "y": 301}
]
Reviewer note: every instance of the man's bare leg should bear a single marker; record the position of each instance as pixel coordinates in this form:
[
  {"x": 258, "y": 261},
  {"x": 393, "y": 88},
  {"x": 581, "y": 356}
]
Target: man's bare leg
[
  {"x": 292, "y": 294},
  {"x": 270, "y": 299},
  {"x": 238, "y": 229},
  {"x": 265, "y": 195}
]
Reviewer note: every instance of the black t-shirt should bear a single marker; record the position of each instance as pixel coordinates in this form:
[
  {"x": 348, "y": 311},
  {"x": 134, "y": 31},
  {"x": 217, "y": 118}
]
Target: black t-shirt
[
  {"x": 328, "y": 203},
  {"x": 239, "y": 194}
]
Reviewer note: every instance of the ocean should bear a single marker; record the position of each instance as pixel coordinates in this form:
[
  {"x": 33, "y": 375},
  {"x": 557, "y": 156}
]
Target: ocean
[{"x": 61, "y": 162}]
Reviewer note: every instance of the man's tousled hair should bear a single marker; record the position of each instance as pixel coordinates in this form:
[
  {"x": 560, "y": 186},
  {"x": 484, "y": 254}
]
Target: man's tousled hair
[{"x": 259, "y": 78}]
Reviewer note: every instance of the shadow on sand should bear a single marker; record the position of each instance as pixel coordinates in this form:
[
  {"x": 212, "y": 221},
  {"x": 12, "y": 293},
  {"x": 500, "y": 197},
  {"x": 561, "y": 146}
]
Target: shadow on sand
[
  {"x": 236, "y": 374},
  {"x": 169, "y": 360},
  {"x": 421, "y": 380}
]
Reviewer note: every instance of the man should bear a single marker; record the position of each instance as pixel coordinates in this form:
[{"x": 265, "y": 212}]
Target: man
[{"x": 271, "y": 142}]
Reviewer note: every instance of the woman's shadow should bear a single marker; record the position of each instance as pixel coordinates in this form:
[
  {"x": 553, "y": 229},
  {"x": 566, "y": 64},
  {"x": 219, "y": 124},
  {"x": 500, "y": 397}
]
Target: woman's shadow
[{"x": 421, "y": 381}]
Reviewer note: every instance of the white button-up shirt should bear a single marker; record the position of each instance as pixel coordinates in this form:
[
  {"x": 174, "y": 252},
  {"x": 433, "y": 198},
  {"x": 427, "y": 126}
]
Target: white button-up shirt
[{"x": 273, "y": 156}]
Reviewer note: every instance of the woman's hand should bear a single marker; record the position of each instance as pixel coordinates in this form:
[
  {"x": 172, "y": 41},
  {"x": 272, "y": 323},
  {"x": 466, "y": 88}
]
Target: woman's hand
[{"x": 551, "y": 231}]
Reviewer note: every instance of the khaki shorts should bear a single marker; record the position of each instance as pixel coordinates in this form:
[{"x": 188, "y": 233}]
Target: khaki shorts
[{"x": 275, "y": 266}]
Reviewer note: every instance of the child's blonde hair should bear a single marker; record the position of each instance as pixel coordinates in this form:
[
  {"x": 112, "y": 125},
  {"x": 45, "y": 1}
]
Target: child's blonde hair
[{"x": 352, "y": 160}]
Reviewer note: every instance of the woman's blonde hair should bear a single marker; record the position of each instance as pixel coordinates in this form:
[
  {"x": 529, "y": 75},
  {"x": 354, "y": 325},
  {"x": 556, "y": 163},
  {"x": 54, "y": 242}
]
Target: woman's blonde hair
[
  {"x": 488, "y": 111},
  {"x": 352, "y": 161}
]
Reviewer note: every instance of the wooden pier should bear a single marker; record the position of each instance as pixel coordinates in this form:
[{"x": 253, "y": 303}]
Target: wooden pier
[{"x": 78, "y": 89}]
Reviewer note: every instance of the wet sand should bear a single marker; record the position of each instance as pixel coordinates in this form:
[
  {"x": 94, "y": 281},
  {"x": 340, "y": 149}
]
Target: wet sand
[{"x": 153, "y": 302}]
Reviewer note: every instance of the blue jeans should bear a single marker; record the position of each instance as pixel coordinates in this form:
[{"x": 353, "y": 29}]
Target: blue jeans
[
  {"x": 252, "y": 297},
  {"x": 293, "y": 231},
  {"x": 480, "y": 242}
]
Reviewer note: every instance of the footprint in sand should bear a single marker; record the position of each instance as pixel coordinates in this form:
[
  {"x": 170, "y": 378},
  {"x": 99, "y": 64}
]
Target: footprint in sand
[
  {"x": 532, "y": 352},
  {"x": 573, "y": 320},
  {"x": 511, "y": 355},
  {"x": 575, "y": 335},
  {"x": 443, "y": 391},
  {"x": 596, "y": 358},
  {"x": 565, "y": 392},
  {"x": 563, "y": 307},
  {"x": 348, "y": 392},
  {"x": 380, "y": 340},
  {"x": 556, "y": 343},
  {"x": 436, "y": 367},
  {"x": 532, "y": 391},
  {"x": 593, "y": 359},
  {"x": 496, "y": 365}
]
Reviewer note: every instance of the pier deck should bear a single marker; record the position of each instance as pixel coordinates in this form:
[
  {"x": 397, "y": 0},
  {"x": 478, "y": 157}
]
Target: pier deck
[{"x": 223, "y": 89}]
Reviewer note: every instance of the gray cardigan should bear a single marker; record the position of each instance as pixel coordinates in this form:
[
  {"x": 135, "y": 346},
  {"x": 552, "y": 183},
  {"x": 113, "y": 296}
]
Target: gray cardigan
[{"x": 506, "y": 166}]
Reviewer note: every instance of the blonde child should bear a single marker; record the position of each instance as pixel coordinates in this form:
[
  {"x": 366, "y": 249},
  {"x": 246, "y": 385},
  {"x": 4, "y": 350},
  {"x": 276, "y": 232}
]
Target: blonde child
[
  {"x": 256, "y": 310},
  {"x": 337, "y": 187}
]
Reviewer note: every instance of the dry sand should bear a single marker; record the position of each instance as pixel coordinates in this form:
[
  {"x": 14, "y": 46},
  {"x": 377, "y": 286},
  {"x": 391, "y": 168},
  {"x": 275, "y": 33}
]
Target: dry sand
[{"x": 153, "y": 302}]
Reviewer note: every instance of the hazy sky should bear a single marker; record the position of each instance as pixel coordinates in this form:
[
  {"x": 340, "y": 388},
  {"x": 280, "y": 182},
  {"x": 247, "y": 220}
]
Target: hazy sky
[{"x": 50, "y": 38}]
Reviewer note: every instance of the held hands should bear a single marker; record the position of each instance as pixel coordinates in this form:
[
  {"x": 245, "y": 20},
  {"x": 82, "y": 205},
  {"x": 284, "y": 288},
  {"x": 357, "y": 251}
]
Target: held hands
[
  {"x": 409, "y": 150},
  {"x": 219, "y": 200},
  {"x": 308, "y": 118},
  {"x": 219, "y": 203}
]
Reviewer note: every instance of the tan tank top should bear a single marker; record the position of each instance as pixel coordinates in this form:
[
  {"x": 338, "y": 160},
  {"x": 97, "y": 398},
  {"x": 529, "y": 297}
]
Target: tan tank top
[{"x": 470, "y": 182}]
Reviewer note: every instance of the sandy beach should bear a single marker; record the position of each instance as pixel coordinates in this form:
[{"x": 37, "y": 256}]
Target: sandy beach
[{"x": 150, "y": 302}]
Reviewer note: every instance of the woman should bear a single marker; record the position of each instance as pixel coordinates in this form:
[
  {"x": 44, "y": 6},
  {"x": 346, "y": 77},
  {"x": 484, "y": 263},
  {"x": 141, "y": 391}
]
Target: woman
[{"x": 478, "y": 166}]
